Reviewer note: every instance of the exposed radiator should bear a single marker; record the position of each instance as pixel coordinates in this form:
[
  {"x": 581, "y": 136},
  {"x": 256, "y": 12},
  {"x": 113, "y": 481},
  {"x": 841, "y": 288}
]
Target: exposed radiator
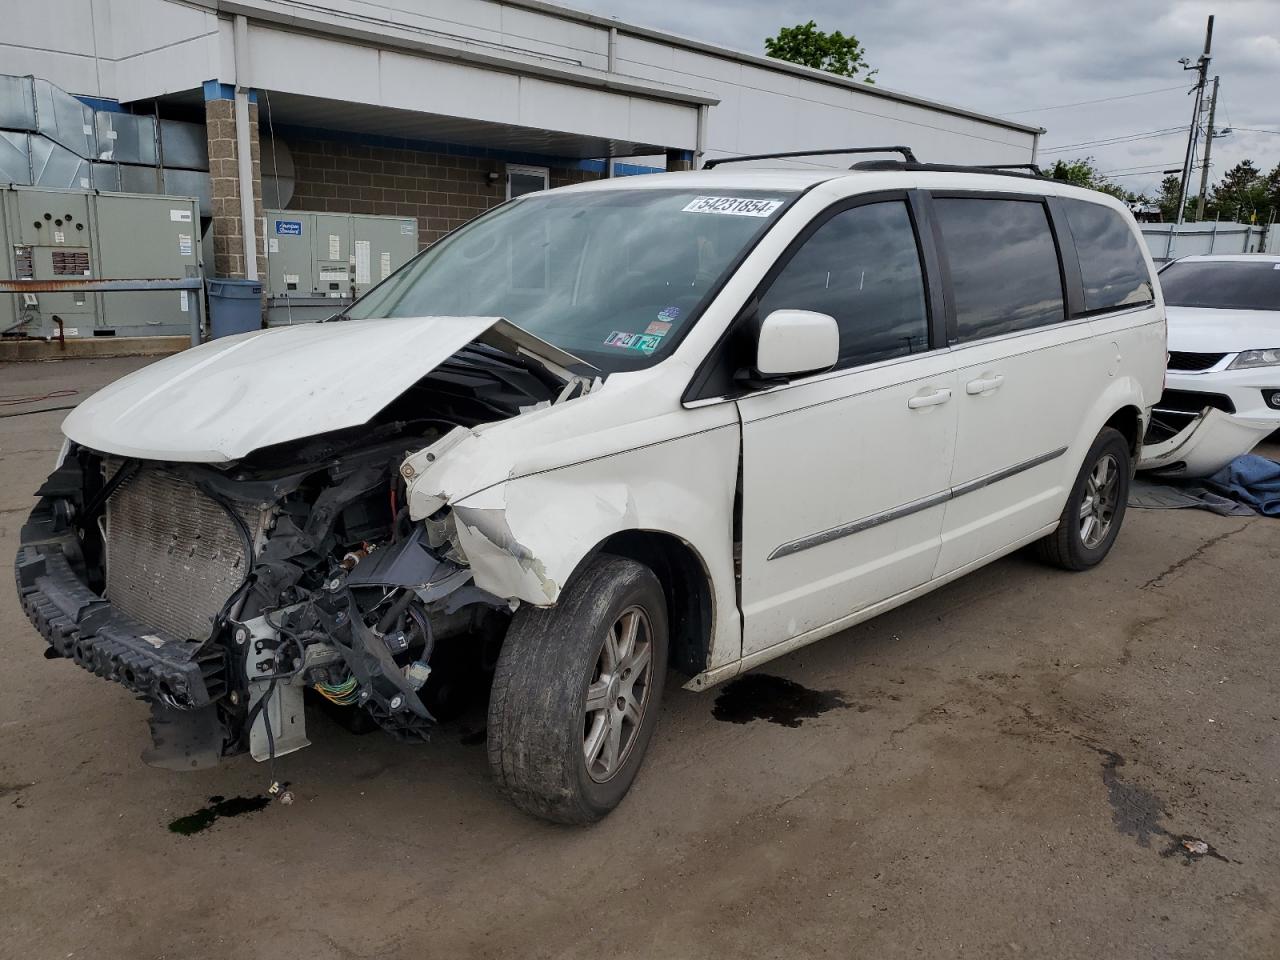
[{"x": 173, "y": 554}]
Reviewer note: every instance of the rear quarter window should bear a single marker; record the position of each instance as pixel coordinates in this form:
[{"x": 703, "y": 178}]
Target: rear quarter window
[{"x": 1112, "y": 267}]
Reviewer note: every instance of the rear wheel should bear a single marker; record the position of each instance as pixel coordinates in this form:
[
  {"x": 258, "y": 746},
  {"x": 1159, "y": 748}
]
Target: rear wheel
[
  {"x": 576, "y": 693},
  {"x": 1090, "y": 521}
]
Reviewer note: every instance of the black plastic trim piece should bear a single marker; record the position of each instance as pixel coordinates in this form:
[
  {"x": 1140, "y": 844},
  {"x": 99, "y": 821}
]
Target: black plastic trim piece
[
  {"x": 80, "y": 625},
  {"x": 905, "y": 151}
]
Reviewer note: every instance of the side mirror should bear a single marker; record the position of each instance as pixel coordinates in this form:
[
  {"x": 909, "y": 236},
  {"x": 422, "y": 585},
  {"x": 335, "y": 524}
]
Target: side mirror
[{"x": 795, "y": 342}]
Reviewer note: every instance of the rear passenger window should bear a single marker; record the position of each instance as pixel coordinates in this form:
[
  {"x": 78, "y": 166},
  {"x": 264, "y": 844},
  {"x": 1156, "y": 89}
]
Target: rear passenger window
[
  {"x": 1004, "y": 265},
  {"x": 863, "y": 268},
  {"x": 1111, "y": 263}
]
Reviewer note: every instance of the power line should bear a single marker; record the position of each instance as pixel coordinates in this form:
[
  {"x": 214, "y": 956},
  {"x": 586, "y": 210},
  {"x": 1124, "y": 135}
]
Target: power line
[
  {"x": 1085, "y": 103},
  {"x": 1257, "y": 130},
  {"x": 1110, "y": 141}
]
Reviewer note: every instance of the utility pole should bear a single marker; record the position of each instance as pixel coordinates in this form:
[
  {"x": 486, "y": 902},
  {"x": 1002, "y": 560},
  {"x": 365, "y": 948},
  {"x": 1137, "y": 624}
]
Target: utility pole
[
  {"x": 1208, "y": 148},
  {"x": 1201, "y": 67}
]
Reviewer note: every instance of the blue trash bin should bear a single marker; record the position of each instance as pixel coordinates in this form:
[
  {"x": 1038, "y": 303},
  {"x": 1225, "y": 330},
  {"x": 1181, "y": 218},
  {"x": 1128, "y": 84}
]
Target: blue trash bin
[{"x": 235, "y": 306}]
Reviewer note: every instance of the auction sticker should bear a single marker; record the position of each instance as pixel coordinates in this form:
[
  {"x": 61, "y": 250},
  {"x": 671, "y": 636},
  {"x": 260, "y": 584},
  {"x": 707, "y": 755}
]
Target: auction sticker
[{"x": 733, "y": 206}]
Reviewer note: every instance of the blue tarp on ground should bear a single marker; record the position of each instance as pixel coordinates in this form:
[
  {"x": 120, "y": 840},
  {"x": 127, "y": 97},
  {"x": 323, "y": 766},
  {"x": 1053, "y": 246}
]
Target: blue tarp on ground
[
  {"x": 1247, "y": 485},
  {"x": 1250, "y": 480}
]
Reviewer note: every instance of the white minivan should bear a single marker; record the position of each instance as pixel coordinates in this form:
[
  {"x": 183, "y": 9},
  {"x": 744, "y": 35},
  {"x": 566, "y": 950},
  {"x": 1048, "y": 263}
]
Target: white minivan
[{"x": 688, "y": 421}]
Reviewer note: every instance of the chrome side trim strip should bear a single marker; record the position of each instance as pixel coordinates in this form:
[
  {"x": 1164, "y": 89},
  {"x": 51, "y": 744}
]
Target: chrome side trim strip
[
  {"x": 906, "y": 509},
  {"x": 857, "y": 526},
  {"x": 1006, "y": 473}
]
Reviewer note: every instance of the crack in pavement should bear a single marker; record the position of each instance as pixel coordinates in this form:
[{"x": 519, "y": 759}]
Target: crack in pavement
[{"x": 1194, "y": 555}]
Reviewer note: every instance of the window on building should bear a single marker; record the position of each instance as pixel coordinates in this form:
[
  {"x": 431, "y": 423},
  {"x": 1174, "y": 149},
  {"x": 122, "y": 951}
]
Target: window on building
[
  {"x": 1111, "y": 263},
  {"x": 863, "y": 268},
  {"x": 1004, "y": 265},
  {"x": 522, "y": 180}
]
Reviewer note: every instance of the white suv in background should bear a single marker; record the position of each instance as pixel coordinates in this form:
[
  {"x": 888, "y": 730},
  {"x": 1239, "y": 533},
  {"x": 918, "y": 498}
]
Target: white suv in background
[
  {"x": 1222, "y": 392},
  {"x": 691, "y": 420}
]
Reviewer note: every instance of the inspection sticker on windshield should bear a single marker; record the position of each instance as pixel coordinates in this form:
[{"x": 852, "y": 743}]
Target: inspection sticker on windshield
[
  {"x": 734, "y": 206},
  {"x": 644, "y": 342}
]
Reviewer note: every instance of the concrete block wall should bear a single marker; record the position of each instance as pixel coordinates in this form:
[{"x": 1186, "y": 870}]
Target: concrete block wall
[
  {"x": 443, "y": 191},
  {"x": 224, "y": 173}
]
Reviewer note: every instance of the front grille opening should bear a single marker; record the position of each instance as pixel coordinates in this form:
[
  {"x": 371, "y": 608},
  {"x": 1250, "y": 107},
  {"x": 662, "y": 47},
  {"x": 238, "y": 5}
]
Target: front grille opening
[{"x": 1185, "y": 361}]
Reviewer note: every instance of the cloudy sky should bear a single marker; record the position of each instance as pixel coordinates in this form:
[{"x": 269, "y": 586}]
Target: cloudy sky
[{"x": 1025, "y": 58}]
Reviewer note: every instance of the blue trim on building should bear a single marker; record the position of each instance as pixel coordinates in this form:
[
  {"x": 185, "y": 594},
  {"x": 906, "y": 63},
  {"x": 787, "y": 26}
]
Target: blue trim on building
[
  {"x": 619, "y": 169},
  {"x": 462, "y": 150},
  {"x": 99, "y": 103},
  {"x": 215, "y": 90}
]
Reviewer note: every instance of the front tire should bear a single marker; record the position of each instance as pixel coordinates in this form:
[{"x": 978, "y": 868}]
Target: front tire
[
  {"x": 1090, "y": 522},
  {"x": 576, "y": 693}
]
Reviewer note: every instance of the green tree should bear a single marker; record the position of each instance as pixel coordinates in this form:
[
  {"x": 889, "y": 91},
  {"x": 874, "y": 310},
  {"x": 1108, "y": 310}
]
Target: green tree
[
  {"x": 833, "y": 52},
  {"x": 1273, "y": 192},
  {"x": 1170, "y": 187},
  {"x": 1083, "y": 172},
  {"x": 1240, "y": 194}
]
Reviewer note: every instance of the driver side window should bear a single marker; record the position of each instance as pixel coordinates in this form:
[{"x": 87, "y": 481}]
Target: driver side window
[{"x": 862, "y": 267}]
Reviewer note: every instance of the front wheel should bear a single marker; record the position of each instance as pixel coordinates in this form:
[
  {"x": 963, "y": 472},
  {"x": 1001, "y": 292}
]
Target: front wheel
[
  {"x": 1091, "y": 519},
  {"x": 576, "y": 693}
]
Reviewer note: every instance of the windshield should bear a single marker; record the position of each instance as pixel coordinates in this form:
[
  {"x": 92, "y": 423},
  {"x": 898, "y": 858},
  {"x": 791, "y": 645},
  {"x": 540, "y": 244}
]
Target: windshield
[
  {"x": 614, "y": 277},
  {"x": 1222, "y": 284}
]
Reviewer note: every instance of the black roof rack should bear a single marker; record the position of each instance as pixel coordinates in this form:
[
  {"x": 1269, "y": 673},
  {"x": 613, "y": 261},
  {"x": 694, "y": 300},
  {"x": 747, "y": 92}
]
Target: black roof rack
[
  {"x": 1034, "y": 168},
  {"x": 1027, "y": 171},
  {"x": 907, "y": 155}
]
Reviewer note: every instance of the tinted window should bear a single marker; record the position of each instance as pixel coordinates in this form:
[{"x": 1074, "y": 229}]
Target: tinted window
[
  {"x": 863, "y": 268},
  {"x": 1004, "y": 265},
  {"x": 1222, "y": 284},
  {"x": 1111, "y": 264}
]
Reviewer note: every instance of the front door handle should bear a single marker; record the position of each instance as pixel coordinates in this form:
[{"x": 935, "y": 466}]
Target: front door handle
[
  {"x": 930, "y": 399},
  {"x": 975, "y": 387}
]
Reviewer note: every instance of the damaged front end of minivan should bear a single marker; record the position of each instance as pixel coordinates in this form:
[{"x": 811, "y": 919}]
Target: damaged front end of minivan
[{"x": 220, "y": 579}]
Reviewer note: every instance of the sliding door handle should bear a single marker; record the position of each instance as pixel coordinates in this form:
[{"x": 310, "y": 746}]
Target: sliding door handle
[
  {"x": 930, "y": 399},
  {"x": 975, "y": 387}
]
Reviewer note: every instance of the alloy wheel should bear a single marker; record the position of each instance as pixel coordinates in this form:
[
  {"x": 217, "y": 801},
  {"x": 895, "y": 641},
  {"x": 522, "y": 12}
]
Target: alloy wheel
[
  {"x": 618, "y": 694},
  {"x": 1098, "y": 507}
]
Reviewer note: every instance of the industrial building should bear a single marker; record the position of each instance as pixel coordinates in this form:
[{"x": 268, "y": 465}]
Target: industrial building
[{"x": 424, "y": 110}]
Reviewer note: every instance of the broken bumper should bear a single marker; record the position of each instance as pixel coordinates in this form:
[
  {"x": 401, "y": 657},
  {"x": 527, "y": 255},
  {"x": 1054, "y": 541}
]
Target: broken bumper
[
  {"x": 82, "y": 626},
  {"x": 1207, "y": 444}
]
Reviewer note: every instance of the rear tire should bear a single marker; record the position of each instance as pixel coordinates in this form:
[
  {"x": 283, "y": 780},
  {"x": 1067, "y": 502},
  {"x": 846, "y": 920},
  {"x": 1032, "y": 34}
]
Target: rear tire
[
  {"x": 1090, "y": 521},
  {"x": 575, "y": 701}
]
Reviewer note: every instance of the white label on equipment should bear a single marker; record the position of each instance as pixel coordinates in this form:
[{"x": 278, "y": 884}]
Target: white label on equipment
[
  {"x": 384, "y": 264},
  {"x": 333, "y": 275},
  {"x": 180, "y": 216},
  {"x": 88, "y": 130},
  {"x": 71, "y": 331},
  {"x": 290, "y": 278},
  {"x": 406, "y": 229},
  {"x": 734, "y": 206},
  {"x": 184, "y": 244},
  {"x": 273, "y": 245},
  {"x": 362, "y": 261},
  {"x": 84, "y": 183},
  {"x": 59, "y": 237},
  {"x": 335, "y": 247},
  {"x": 183, "y": 300}
]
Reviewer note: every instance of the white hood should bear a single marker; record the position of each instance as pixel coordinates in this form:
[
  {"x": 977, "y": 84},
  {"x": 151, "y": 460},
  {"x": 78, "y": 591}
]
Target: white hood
[
  {"x": 1200, "y": 330},
  {"x": 224, "y": 399}
]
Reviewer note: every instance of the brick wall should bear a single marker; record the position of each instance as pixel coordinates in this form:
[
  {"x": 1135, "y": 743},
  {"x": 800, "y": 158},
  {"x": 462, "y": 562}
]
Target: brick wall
[
  {"x": 442, "y": 190},
  {"x": 224, "y": 172}
]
